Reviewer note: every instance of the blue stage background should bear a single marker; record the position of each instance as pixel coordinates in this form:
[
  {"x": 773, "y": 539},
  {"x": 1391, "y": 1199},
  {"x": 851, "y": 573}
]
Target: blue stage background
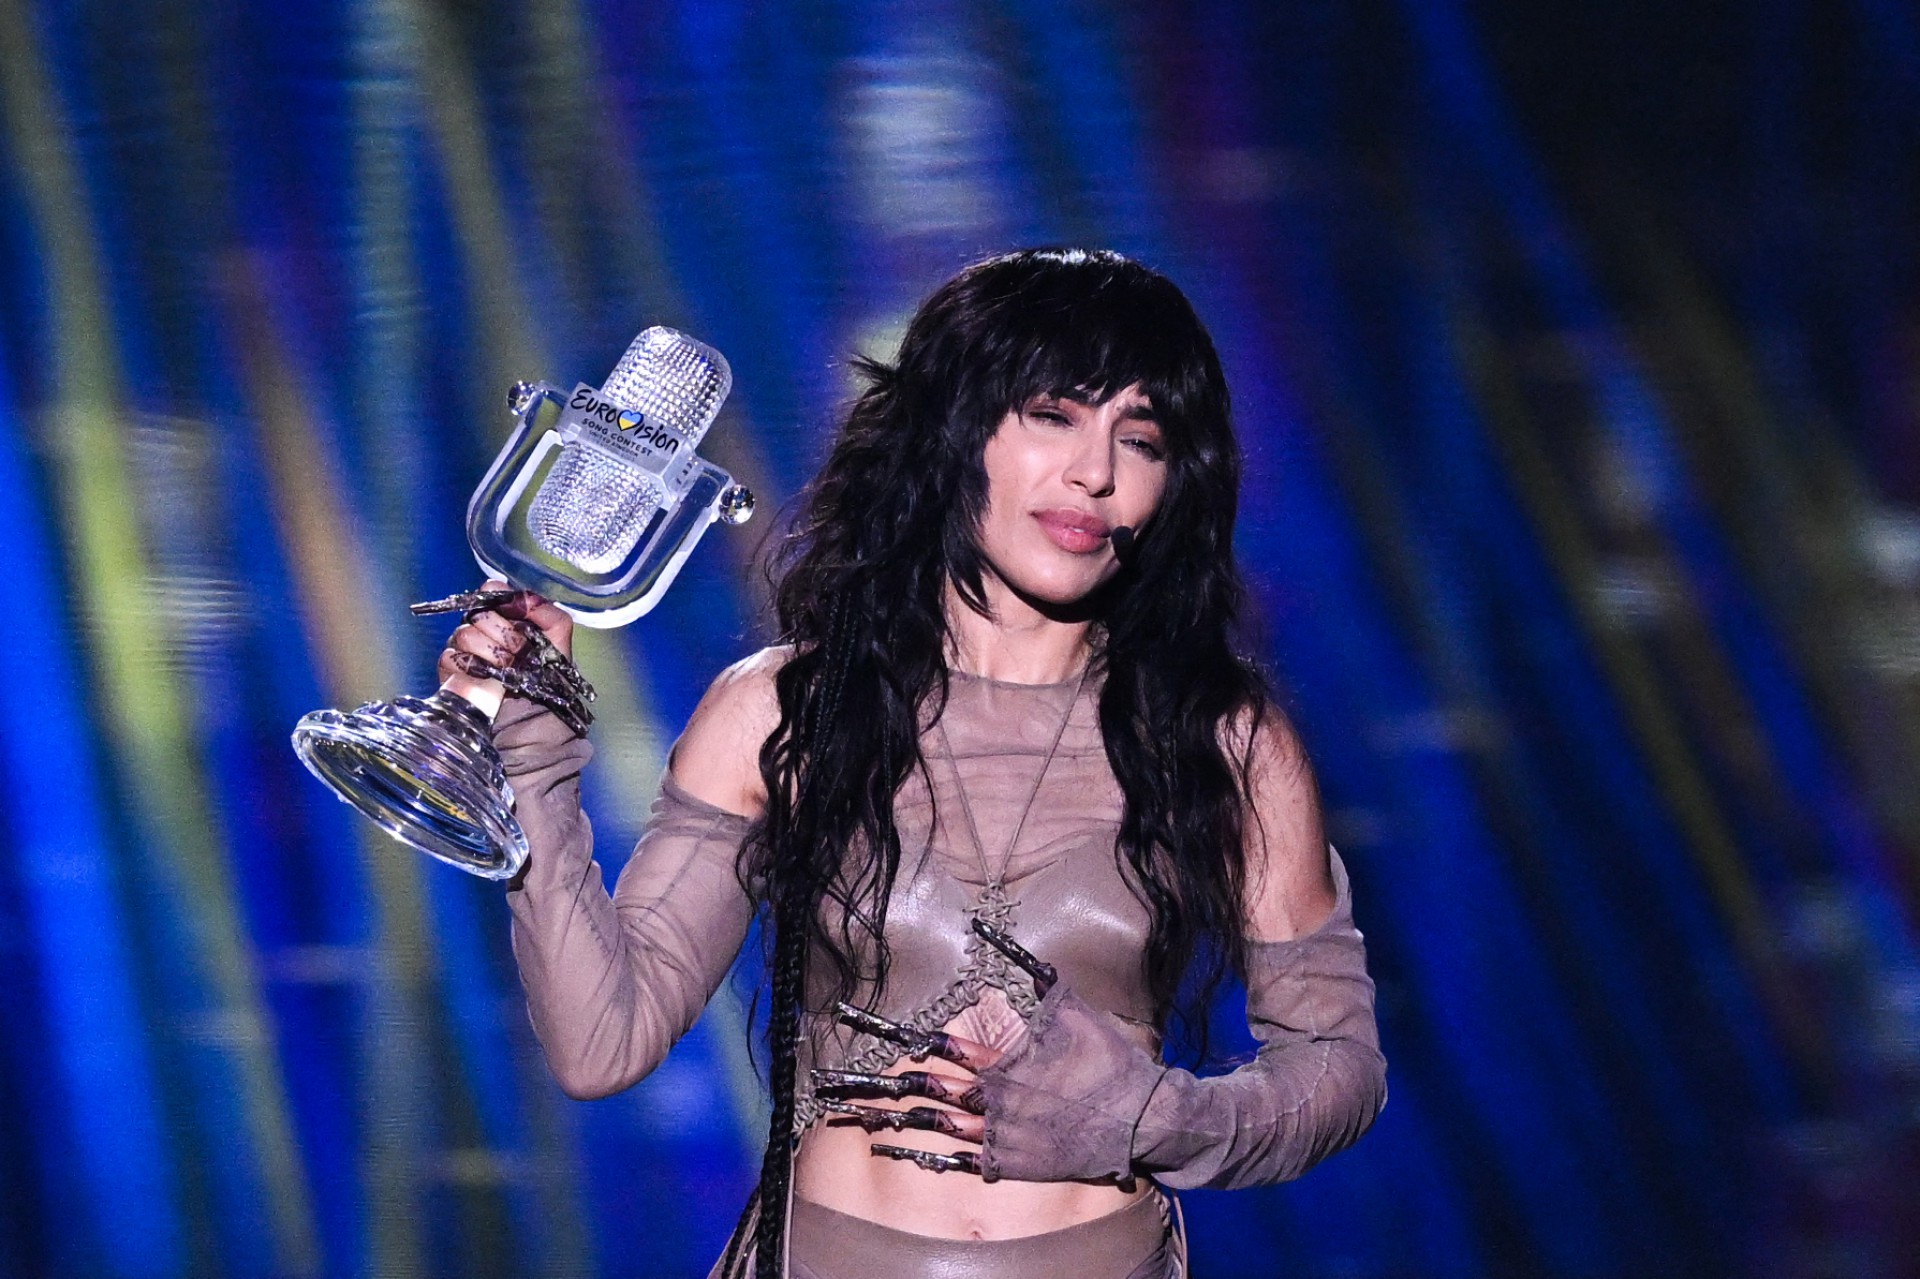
[{"x": 1577, "y": 359}]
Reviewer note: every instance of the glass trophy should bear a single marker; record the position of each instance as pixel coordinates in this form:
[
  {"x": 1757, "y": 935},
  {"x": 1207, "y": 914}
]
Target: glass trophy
[{"x": 595, "y": 503}]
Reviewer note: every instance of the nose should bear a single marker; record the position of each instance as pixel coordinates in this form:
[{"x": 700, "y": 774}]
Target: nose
[{"x": 1091, "y": 467}]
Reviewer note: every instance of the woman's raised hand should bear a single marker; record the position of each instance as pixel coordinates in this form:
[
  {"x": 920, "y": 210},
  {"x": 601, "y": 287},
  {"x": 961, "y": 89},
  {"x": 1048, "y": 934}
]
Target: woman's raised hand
[{"x": 494, "y": 637}]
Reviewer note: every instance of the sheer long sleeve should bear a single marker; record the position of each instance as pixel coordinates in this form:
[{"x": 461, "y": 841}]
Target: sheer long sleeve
[
  {"x": 613, "y": 981},
  {"x": 1080, "y": 1099}
]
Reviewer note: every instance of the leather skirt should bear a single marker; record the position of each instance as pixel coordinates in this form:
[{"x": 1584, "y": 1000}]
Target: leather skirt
[
  {"x": 1141, "y": 1241},
  {"x": 1137, "y": 1242}
]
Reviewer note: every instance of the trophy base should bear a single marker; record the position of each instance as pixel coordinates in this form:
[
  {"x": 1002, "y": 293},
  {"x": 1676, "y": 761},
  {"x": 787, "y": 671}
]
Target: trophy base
[{"x": 425, "y": 769}]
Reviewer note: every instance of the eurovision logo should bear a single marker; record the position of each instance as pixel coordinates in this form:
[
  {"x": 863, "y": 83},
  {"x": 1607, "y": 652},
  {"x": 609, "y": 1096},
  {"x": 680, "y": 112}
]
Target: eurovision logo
[{"x": 589, "y": 403}]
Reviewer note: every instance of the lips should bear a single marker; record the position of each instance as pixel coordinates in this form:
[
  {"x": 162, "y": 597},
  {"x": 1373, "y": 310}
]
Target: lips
[{"x": 1080, "y": 532}]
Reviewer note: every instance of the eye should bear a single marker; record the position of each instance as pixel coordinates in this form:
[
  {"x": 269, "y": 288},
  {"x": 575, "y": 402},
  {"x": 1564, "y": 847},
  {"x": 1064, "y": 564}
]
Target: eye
[
  {"x": 1047, "y": 411},
  {"x": 1146, "y": 446}
]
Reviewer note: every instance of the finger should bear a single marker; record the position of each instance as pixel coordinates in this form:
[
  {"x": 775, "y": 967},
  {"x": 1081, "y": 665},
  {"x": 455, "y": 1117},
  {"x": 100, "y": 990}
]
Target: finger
[
  {"x": 489, "y": 637},
  {"x": 554, "y": 621},
  {"x": 919, "y": 1044},
  {"x": 536, "y": 611},
  {"x": 543, "y": 612},
  {"x": 523, "y": 604},
  {"x": 964, "y": 1161},
  {"x": 462, "y": 657},
  {"x": 965, "y": 1052},
  {"x": 533, "y": 640},
  {"x": 964, "y": 1093},
  {"x": 491, "y": 623},
  {"x": 491, "y": 620},
  {"x": 473, "y": 667},
  {"x": 918, "y": 1119}
]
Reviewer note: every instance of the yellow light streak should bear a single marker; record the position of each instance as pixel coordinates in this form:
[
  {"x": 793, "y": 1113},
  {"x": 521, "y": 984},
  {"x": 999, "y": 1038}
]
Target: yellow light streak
[{"x": 149, "y": 723}]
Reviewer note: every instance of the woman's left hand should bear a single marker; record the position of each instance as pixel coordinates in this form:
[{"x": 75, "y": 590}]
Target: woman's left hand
[
  {"x": 964, "y": 1108},
  {"x": 966, "y": 1120}
]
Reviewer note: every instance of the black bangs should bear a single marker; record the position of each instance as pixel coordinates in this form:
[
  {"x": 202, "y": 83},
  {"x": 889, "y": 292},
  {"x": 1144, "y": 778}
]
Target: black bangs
[{"x": 1083, "y": 324}]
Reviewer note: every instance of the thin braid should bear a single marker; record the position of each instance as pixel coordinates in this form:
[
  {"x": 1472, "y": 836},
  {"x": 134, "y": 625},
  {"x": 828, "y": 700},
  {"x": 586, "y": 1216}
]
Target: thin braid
[
  {"x": 837, "y": 672},
  {"x": 793, "y": 900},
  {"x": 735, "y": 1255},
  {"x": 776, "y": 1168}
]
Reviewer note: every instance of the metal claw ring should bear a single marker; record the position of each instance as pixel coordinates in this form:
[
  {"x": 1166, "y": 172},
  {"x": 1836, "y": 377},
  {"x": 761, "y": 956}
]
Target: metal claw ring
[
  {"x": 966, "y": 1161},
  {"x": 1044, "y": 975},
  {"x": 917, "y": 1044},
  {"x": 874, "y": 1118},
  {"x": 891, "y": 1086},
  {"x": 464, "y": 602}
]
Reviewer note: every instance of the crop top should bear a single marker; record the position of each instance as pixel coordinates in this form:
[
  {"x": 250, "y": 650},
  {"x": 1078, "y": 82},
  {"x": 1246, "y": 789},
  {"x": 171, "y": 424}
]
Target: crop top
[{"x": 613, "y": 981}]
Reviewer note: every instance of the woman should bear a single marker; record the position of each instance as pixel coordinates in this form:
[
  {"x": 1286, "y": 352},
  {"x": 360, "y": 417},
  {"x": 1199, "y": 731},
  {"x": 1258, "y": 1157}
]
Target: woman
[{"x": 1003, "y": 783}]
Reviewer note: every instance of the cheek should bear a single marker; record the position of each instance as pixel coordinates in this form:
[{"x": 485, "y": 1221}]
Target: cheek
[
  {"x": 997, "y": 465},
  {"x": 999, "y": 515},
  {"x": 1013, "y": 472},
  {"x": 1149, "y": 496}
]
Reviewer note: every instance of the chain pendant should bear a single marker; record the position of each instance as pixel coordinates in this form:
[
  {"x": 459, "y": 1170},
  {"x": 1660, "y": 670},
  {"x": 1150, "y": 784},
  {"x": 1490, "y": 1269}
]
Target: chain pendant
[{"x": 985, "y": 964}]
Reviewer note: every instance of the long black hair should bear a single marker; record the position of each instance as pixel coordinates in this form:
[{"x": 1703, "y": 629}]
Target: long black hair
[{"x": 859, "y": 593}]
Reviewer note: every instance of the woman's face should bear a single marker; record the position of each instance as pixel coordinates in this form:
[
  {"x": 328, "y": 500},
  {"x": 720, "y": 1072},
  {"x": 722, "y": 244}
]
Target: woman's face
[{"x": 1062, "y": 474}]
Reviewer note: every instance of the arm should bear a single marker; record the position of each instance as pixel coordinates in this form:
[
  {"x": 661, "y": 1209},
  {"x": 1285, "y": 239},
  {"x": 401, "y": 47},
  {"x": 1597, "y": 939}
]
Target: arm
[
  {"x": 1079, "y": 1099},
  {"x": 1316, "y": 1085},
  {"x": 613, "y": 982}
]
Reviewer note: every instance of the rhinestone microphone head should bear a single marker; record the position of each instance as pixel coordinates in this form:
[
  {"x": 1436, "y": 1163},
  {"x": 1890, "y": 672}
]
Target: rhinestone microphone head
[
  {"x": 594, "y": 505},
  {"x": 675, "y": 381}
]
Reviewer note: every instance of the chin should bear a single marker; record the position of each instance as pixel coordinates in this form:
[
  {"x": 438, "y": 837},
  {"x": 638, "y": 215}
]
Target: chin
[{"x": 1063, "y": 595}]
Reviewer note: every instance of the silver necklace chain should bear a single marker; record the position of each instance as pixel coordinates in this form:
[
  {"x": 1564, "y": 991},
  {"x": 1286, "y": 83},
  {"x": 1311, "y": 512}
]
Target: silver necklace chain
[{"x": 996, "y": 883}]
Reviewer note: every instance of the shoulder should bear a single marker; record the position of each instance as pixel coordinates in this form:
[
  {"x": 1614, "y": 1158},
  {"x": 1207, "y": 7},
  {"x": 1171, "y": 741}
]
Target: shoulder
[
  {"x": 1289, "y": 885},
  {"x": 717, "y": 758}
]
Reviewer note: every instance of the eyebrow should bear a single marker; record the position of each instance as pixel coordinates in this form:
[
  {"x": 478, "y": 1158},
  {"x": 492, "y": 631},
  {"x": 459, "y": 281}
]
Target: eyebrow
[{"x": 1141, "y": 412}]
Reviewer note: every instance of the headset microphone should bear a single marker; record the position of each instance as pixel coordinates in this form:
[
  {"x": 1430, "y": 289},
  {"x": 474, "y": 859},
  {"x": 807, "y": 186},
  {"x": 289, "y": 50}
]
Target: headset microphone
[{"x": 1122, "y": 539}]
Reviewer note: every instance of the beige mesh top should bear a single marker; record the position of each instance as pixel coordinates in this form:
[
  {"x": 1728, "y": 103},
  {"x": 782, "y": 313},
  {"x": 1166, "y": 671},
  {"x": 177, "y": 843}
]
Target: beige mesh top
[
  {"x": 613, "y": 980},
  {"x": 678, "y": 908}
]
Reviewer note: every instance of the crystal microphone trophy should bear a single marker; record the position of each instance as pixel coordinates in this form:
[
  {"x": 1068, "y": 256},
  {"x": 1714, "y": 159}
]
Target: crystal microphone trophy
[{"x": 595, "y": 502}]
